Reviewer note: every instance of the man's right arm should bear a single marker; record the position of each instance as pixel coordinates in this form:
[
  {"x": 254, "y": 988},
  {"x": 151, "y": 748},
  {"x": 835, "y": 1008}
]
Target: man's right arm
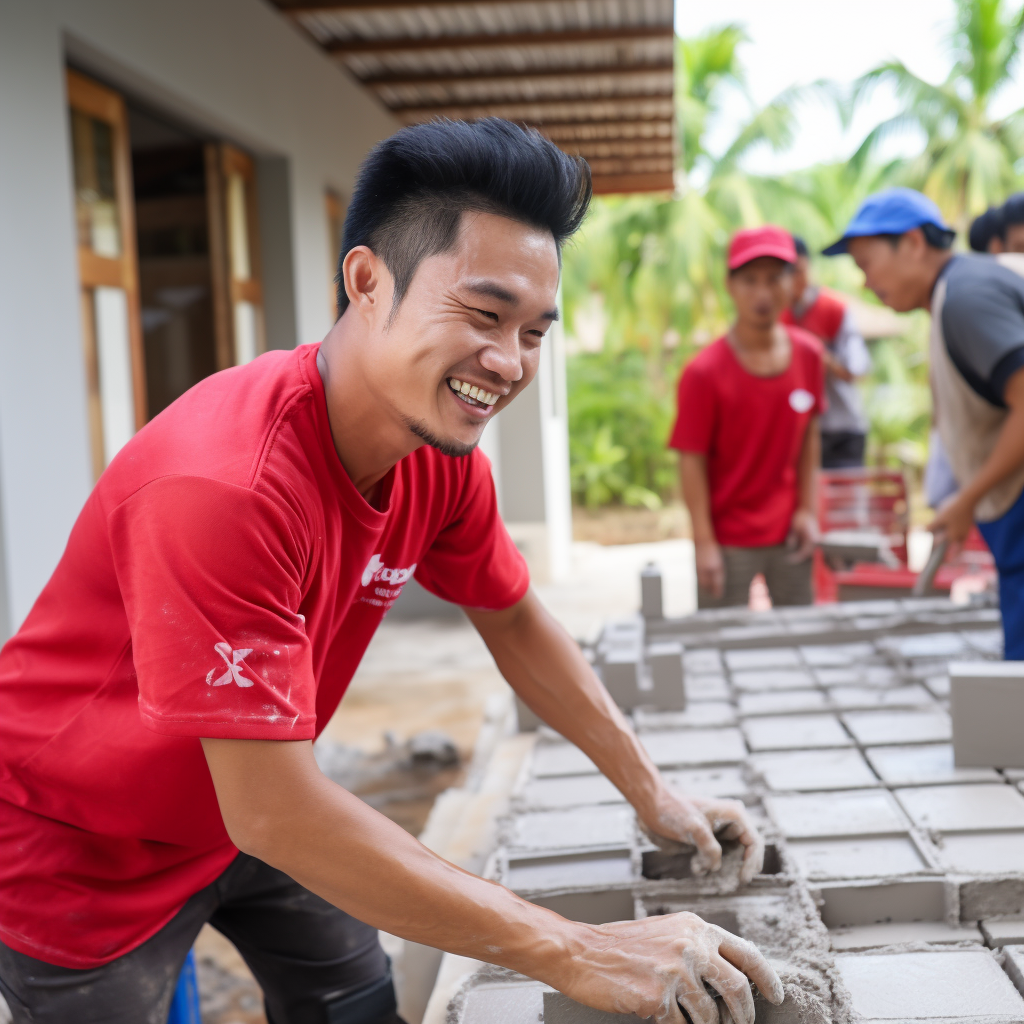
[
  {"x": 279, "y": 807},
  {"x": 693, "y": 472}
]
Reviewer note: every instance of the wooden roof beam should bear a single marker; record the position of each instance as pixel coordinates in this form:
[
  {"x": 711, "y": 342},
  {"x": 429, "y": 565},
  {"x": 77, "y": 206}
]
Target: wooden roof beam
[
  {"x": 579, "y": 71},
  {"x": 626, "y": 34},
  {"x": 607, "y": 131},
  {"x": 369, "y": 6},
  {"x": 606, "y": 184},
  {"x": 436, "y": 106}
]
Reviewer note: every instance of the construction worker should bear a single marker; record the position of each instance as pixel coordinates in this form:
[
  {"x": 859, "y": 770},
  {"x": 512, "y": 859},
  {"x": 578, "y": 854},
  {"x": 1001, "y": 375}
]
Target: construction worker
[
  {"x": 1013, "y": 223},
  {"x": 747, "y": 434},
  {"x": 843, "y": 425},
  {"x": 987, "y": 232},
  {"x": 901, "y": 242},
  {"x": 158, "y": 706}
]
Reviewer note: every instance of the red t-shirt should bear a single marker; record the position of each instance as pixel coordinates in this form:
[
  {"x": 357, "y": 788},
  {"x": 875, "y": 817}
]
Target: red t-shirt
[
  {"x": 751, "y": 429},
  {"x": 223, "y": 579},
  {"x": 822, "y": 318}
]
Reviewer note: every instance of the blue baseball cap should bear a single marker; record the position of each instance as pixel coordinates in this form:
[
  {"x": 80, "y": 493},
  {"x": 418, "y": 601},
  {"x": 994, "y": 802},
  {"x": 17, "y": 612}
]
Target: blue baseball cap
[{"x": 889, "y": 213}]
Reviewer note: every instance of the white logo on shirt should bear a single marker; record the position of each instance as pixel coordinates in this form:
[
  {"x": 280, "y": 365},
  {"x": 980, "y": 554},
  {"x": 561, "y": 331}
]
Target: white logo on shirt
[
  {"x": 377, "y": 571},
  {"x": 801, "y": 400},
  {"x": 232, "y": 659}
]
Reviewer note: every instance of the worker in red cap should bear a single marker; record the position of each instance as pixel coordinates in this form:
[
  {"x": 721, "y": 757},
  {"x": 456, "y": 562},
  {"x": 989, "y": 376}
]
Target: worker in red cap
[{"x": 747, "y": 433}]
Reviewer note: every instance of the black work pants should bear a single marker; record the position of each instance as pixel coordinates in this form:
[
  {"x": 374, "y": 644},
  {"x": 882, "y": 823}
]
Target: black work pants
[
  {"x": 842, "y": 449},
  {"x": 315, "y": 963}
]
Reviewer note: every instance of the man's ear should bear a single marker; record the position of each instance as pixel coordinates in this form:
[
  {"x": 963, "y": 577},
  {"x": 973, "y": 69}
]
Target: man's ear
[{"x": 368, "y": 282}]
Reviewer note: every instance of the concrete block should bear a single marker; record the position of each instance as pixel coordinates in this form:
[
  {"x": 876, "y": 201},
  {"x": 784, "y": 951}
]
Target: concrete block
[
  {"x": 1014, "y": 775},
  {"x": 702, "y": 660},
  {"x": 665, "y": 661},
  {"x": 1013, "y": 964},
  {"x": 866, "y": 698},
  {"x": 568, "y": 791},
  {"x": 985, "y": 641},
  {"x": 683, "y": 747},
  {"x": 947, "y": 986},
  {"x": 651, "y": 604},
  {"x": 871, "y": 936},
  {"x": 565, "y": 829},
  {"x": 781, "y": 702},
  {"x": 620, "y": 673},
  {"x": 889, "y": 728},
  {"x": 859, "y": 812},
  {"x": 795, "y": 732},
  {"x": 814, "y": 770},
  {"x": 836, "y": 655},
  {"x": 987, "y": 706},
  {"x": 928, "y": 645},
  {"x": 711, "y": 712},
  {"x": 578, "y": 870},
  {"x": 759, "y": 680},
  {"x": 991, "y": 897},
  {"x": 598, "y": 906},
  {"x": 938, "y": 685},
  {"x": 926, "y": 765},
  {"x": 560, "y": 759},
  {"x": 964, "y": 808},
  {"x": 1003, "y": 931},
  {"x": 843, "y": 906},
  {"x": 527, "y": 721},
  {"x": 857, "y": 858},
  {"x": 512, "y": 1003},
  {"x": 716, "y": 782},
  {"x": 984, "y": 853},
  {"x": 860, "y": 675},
  {"x": 767, "y": 657},
  {"x": 701, "y": 688},
  {"x": 560, "y": 1009}
]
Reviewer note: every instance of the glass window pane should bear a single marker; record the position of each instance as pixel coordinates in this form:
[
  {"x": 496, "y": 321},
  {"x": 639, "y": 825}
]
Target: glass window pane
[
  {"x": 113, "y": 351},
  {"x": 95, "y": 194},
  {"x": 238, "y": 229},
  {"x": 245, "y": 332}
]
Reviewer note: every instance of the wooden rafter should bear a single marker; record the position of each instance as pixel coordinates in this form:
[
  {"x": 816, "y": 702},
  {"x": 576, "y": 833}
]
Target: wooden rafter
[
  {"x": 598, "y": 131},
  {"x": 534, "y": 74},
  {"x": 369, "y": 6},
  {"x": 470, "y": 109}
]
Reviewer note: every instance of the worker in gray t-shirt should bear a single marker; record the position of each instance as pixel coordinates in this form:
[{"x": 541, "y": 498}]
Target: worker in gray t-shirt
[{"x": 900, "y": 241}]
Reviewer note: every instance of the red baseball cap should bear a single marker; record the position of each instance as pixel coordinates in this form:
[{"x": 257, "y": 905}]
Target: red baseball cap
[{"x": 751, "y": 243}]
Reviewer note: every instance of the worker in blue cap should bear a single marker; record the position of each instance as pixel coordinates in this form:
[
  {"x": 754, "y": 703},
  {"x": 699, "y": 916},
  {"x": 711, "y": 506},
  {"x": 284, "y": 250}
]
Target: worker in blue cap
[{"x": 901, "y": 242}]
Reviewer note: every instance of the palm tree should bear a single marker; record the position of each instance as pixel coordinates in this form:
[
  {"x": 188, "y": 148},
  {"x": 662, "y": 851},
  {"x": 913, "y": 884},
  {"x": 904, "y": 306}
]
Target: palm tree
[{"x": 971, "y": 159}]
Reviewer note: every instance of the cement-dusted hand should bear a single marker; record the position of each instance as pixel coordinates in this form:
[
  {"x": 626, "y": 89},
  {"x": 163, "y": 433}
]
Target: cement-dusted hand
[
  {"x": 698, "y": 820},
  {"x": 653, "y": 966}
]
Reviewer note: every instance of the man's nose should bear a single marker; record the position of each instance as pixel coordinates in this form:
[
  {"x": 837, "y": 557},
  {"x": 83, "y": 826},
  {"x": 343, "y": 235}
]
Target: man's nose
[{"x": 502, "y": 356}]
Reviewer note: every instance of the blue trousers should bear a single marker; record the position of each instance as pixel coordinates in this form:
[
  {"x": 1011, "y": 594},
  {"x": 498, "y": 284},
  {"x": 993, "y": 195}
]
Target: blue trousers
[{"x": 1005, "y": 538}]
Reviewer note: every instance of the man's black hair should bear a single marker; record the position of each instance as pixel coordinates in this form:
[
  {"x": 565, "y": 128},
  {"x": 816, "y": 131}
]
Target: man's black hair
[
  {"x": 936, "y": 237},
  {"x": 985, "y": 227},
  {"x": 801, "y": 246},
  {"x": 1013, "y": 210},
  {"x": 414, "y": 187}
]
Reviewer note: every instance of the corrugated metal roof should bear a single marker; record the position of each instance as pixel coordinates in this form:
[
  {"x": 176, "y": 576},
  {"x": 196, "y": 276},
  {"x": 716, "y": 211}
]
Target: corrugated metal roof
[{"x": 595, "y": 76}]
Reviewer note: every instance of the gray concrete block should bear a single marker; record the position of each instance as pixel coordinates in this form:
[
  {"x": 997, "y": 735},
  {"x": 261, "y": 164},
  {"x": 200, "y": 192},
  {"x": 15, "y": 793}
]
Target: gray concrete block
[
  {"x": 598, "y": 906},
  {"x": 964, "y": 808},
  {"x": 620, "y": 673},
  {"x": 759, "y": 680},
  {"x": 651, "y": 604},
  {"x": 835, "y": 655},
  {"x": 781, "y": 702},
  {"x": 560, "y": 1009},
  {"x": 938, "y": 685},
  {"x": 607, "y": 825},
  {"x": 872, "y": 936},
  {"x": 859, "y": 812},
  {"x": 985, "y": 641},
  {"x": 1003, "y": 931},
  {"x": 1013, "y": 964},
  {"x": 981, "y": 898},
  {"x": 569, "y": 791},
  {"x": 560, "y": 759},
  {"x": 870, "y": 857},
  {"x": 703, "y": 713},
  {"x": 714, "y": 782},
  {"x": 671, "y": 748},
  {"x": 512, "y": 1003},
  {"x": 795, "y": 732},
  {"x": 843, "y": 906},
  {"x": 767, "y": 657},
  {"x": 928, "y": 645},
  {"x": 859, "y": 675},
  {"x": 867, "y": 698},
  {"x": 987, "y": 706},
  {"x": 665, "y": 661},
  {"x": 984, "y": 853},
  {"x": 577, "y": 870},
  {"x": 926, "y": 765},
  {"x": 949, "y": 985},
  {"x": 706, "y": 687},
  {"x": 888, "y": 728},
  {"x": 702, "y": 660},
  {"x": 814, "y": 770}
]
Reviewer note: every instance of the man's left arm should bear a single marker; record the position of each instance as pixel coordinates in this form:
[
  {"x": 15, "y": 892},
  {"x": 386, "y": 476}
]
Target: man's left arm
[
  {"x": 803, "y": 527},
  {"x": 547, "y": 670},
  {"x": 954, "y": 520}
]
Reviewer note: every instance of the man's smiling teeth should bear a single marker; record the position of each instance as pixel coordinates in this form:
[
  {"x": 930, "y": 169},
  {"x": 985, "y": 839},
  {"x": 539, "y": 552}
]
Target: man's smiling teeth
[{"x": 471, "y": 391}]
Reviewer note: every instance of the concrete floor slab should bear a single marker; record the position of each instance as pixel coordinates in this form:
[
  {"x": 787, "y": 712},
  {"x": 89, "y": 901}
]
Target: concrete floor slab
[
  {"x": 856, "y": 858},
  {"x": 889, "y": 728},
  {"x": 565, "y": 829},
  {"x": 712, "y": 712},
  {"x": 927, "y": 764},
  {"x": 560, "y": 759},
  {"x": 871, "y": 936},
  {"x": 837, "y": 654},
  {"x": 706, "y": 659},
  {"x": 836, "y": 815},
  {"x": 671, "y": 748},
  {"x": 571, "y": 791},
  {"x": 767, "y": 657},
  {"x": 814, "y": 770},
  {"x": 759, "y": 680},
  {"x": 705, "y": 688},
  {"x": 983, "y": 853},
  {"x": 1003, "y": 931},
  {"x": 954, "y": 985},
  {"x": 781, "y": 702},
  {"x": 964, "y": 808},
  {"x": 795, "y": 732},
  {"x": 716, "y": 782},
  {"x": 866, "y": 698}
]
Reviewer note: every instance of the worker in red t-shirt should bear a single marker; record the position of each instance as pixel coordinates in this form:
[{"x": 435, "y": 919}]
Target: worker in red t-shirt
[
  {"x": 843, "y": 425},
  {"x": 747, "y": 434},
  {"x": 159, "y": 704}
]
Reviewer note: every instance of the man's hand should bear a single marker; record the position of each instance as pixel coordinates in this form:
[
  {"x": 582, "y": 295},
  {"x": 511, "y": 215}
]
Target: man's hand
[
  {"x": 836, "y": 368},
  {"x": 803, "y": 535},
  {"x": 652, "y": 966},
  {"x": 953, "y": 521},
  {"x": 710, "y": 567},
  {"x": 697, "y": 820}
]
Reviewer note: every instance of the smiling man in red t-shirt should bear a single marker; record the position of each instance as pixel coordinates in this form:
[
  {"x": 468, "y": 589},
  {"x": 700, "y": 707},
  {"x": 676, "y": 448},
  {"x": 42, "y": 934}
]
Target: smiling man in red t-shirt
[
  {"x": 748, "y": 435},
  {"x": 158, "y": 707}
]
